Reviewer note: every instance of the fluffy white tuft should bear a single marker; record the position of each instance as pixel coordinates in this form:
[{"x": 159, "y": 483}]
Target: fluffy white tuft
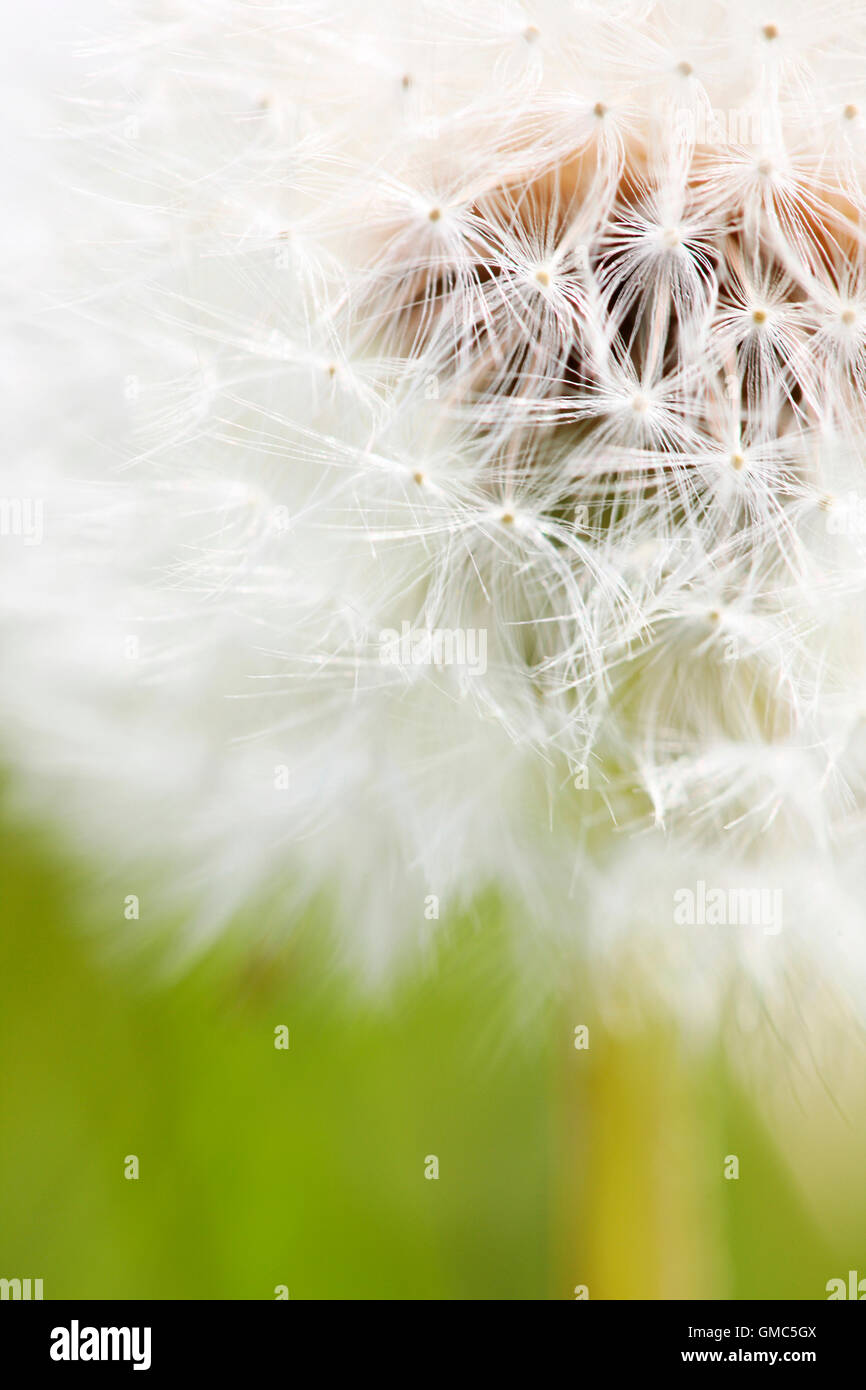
[{"x": 533, "y": 336}]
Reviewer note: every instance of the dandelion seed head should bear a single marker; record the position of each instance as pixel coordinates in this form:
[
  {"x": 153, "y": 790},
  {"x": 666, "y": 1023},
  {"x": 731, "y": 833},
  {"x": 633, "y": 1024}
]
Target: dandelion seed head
[{"x": 481, "y": 325}]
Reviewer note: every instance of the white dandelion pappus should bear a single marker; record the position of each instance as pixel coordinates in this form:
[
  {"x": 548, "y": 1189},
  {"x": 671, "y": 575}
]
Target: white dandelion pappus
[{"x": 468, "y": 322}]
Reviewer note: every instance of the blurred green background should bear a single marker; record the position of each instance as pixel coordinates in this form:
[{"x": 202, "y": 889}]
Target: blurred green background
[{"x": 261, "y": 1167}]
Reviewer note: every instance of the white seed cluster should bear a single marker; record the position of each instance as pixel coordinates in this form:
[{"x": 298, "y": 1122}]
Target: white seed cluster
[{"x": 540, "y": 324}]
